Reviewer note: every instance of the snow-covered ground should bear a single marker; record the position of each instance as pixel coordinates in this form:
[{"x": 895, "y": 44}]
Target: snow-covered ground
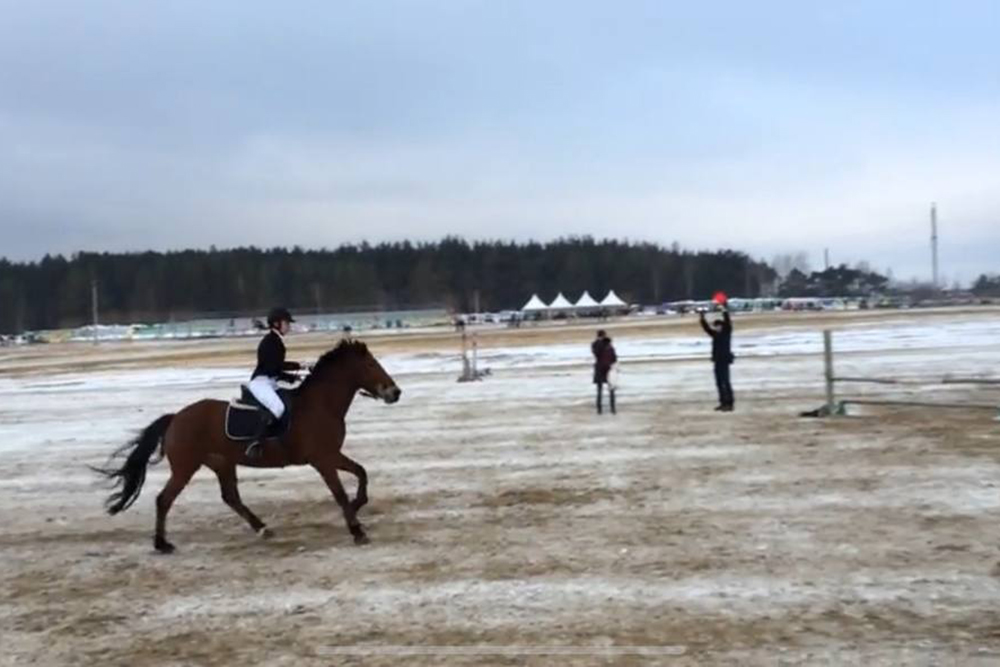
[{"x": 510, "y": 524}]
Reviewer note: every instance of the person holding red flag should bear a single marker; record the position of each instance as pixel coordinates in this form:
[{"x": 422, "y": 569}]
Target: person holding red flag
[{"x": 721, "y": 333}]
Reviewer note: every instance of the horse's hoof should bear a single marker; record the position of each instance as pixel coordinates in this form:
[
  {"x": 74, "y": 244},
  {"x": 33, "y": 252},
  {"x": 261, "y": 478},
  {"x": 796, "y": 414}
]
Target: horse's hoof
[
  {"x": 361, "y": 540},
  {"x": 163, "y": 546},
  {"x": 265, "y": 533}
]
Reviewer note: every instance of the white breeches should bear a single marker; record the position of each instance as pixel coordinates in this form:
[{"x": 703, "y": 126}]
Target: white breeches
[{"x": 264, "y": 389}]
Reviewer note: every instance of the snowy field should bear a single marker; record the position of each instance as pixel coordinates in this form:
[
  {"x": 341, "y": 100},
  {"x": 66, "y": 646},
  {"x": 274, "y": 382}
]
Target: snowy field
[{"x": 512, "y": 525}]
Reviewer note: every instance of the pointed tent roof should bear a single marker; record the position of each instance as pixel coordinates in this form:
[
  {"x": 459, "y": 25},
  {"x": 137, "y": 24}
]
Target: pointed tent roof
[
  {"x": 612, "y": 300},
  {"x": 560, "y": 303},
  {"x": 534, "y": 303},
  {"x": 586, "y": 301}
]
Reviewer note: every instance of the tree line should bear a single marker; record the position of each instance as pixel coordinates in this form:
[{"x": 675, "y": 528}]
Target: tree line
[
  {"x": 834, "y": 281},
  {"x": 56, "y": 291},
  {"x": 987, "y": 285}
]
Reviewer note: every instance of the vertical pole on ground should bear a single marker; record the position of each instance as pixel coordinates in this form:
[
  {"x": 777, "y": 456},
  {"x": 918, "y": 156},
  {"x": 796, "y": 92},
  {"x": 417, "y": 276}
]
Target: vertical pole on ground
[
  {"x": 828, "y": 369},
  {"x": 475, "y": 356},
  {"x": 466, "y": 370},
  {"x": 93, "y": 306}
]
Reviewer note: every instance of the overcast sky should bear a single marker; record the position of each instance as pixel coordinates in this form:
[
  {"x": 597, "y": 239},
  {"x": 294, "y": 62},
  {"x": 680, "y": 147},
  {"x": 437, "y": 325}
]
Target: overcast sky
[{"x": 767, "y": 126}]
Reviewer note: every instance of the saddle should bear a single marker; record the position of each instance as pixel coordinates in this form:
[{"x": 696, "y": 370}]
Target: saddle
[{"x": 244, "y": 415}]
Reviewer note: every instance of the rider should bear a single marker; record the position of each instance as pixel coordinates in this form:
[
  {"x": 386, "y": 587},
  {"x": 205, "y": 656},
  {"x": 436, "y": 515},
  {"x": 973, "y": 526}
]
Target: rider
[{"x": 271, "y": 367}]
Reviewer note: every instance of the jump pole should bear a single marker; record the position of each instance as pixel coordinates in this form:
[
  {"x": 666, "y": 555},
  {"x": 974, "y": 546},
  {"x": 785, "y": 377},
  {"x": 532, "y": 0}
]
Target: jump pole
[
  {"x": 831, "y": 403},
  {"x": 833, "y": 407}
]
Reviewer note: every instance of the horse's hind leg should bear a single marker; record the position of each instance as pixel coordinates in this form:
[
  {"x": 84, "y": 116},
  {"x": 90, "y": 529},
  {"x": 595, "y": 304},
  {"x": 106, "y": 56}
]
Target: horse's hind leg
[
  {"x": 180, "y": 475},
  {"x": 229, "y": 486}
]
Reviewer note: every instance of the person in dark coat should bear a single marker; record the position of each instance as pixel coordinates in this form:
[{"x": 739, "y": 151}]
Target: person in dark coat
[
  {"x": 271, "y": 368},
  {"x": 604, "y": 358},
  {"x": 721, "y": 332}
]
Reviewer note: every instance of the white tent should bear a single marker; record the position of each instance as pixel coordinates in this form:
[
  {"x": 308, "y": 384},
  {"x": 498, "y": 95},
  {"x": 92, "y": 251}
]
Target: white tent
[
  {"x": 612, "y": 301},
  {"x": 560, "y": 303},
  {"x": 586, "y": 301},
  {"x": 534, "y": 305}
]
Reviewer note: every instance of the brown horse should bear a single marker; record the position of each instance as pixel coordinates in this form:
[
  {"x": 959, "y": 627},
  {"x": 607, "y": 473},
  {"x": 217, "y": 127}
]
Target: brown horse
[{"x": 195, "y": 436}]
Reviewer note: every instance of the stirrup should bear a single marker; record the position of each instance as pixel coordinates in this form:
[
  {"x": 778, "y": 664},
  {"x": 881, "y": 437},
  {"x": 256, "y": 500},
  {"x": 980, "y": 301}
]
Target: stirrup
[{"x": 255, "y": 449}]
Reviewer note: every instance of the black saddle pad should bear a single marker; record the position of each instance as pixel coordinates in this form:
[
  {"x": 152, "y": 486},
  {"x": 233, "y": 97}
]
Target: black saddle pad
[{"x": 243, "y": 417}]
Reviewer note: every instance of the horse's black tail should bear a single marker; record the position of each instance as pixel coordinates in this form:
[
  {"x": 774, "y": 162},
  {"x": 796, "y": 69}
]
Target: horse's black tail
[{"x": 131, "y": 475}]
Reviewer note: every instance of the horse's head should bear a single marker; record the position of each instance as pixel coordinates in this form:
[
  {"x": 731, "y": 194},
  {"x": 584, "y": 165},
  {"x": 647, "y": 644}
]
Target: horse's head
[
  {"x": 356, "y": 365},
  {"x": 373, "y": 379}
]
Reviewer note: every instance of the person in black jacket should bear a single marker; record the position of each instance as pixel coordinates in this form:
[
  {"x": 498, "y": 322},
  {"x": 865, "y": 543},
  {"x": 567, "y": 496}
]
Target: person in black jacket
[
  {"x": 604, "y": 358},
  {"x": 721, "y": 332},
  {"x": 271, "y": 367}
]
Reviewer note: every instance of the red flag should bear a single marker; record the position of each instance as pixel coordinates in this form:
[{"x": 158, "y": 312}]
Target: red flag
[{"x": 720, "y": 298}]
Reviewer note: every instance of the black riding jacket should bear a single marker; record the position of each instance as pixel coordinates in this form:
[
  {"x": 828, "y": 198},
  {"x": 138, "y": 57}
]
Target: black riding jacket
[
  {"x": 722, "y": 341},
  {"x": 271, "y": 359}
]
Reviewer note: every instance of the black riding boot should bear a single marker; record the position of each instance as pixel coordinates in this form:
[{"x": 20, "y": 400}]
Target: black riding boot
[
  {"x": 256, "y": 446},
  {"x": 611, "y": 396},
  {"x": 600, "y": 396}
]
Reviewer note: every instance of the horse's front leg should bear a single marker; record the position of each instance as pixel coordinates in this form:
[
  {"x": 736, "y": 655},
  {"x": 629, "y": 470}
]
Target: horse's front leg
[
  {"x": 343, "y": 462},
  {"x": 327, "y": 469}
]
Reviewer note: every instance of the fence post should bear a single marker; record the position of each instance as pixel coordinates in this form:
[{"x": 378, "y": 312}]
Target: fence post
[{"x": 831, "y": 408}]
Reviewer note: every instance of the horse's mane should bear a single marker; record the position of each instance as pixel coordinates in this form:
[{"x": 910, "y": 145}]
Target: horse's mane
[{"x": 345, "y": 349}]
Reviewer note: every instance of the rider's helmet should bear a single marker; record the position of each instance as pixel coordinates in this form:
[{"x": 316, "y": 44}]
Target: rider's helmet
[{"x": 277, "y": 315}]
